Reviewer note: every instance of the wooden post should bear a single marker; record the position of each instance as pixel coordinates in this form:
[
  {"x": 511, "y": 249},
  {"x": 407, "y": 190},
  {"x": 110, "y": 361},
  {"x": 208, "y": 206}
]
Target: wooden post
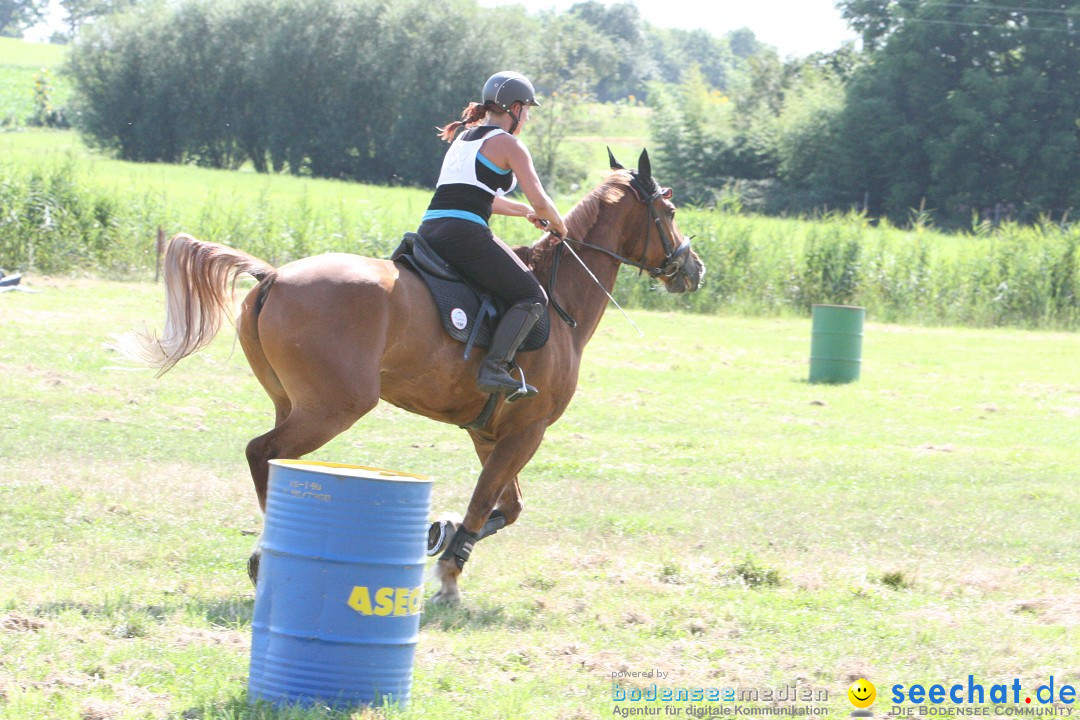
[{"x": 159, "y": 246}]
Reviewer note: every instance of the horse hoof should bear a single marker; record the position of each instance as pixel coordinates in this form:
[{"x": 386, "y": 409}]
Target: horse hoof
[
  {"x": 440, "y": 532},
  {"x": 253, "y": 568},
  {"x": 446, "y": 599},
  {"x": 438, "y": 535}
]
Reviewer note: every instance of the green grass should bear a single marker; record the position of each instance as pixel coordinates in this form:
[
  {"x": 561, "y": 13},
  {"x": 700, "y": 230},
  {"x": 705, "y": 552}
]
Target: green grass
[
  {"x": 20, "y": 63},
  {"x": 19, "y": 53},
  {"x": 700, "y": 509},
  {"x": 74, "y": 210},
  {"x": 624, "y": 127}
]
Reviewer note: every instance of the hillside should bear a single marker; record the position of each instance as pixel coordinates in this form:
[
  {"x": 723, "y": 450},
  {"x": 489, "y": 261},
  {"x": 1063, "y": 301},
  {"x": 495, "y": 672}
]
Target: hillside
[{"x": 20, "y": 64}]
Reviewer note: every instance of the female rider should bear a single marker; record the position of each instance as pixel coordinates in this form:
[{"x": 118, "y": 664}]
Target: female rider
[{"x": 483, "y": 164}]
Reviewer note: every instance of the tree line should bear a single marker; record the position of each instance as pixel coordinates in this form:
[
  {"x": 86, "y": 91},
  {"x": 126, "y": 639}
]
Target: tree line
[
  {"x": 955, "y": 110},
  {"x": 16, "y": 16},
  {"x": 348, "y": 89}
]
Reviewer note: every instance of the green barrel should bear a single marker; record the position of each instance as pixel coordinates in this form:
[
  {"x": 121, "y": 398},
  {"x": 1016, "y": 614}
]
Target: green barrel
[{"x": 836, "y": 343}]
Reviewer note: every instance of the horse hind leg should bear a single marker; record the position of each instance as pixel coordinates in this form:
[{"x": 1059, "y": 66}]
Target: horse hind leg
[
  {"x": 248, "y": 334},
  {"x": 303, "y": 431}
]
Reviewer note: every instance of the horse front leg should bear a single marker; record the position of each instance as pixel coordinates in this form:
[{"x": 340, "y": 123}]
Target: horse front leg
[
  {"x": 496, "y": 503},
  {"x": 506, "y": 511}
]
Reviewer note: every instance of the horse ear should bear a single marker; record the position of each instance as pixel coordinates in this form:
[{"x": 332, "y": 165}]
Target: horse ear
[
  {"x": 614, "y": 163},
  {"x": 644, "y": 168}
]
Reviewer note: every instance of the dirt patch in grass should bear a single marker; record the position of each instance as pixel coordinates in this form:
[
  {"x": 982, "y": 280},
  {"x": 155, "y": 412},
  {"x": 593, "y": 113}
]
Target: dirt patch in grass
[
  {"x": 1057, "y": 610},
  {"x": 936, "y": 447},
  {"x": 988, "y": 580},
  {"x": 97, "y": 709},
  {"x": 13, "y": 622},
  {"x": 188, "y": 636},
  {"x": 174, "y": 486},
  {"x": 937, "y": 616}
]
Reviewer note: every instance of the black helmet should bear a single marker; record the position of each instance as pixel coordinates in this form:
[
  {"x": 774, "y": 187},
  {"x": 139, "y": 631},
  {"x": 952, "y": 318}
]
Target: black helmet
[{"x": 506, "y": 88}]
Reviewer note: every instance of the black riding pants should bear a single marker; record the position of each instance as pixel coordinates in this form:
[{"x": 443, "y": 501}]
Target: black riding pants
[{"x": 484, "y": 259}]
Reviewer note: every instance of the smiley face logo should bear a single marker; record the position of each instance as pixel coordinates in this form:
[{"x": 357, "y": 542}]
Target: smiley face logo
[{"x": 862, "y": 693}]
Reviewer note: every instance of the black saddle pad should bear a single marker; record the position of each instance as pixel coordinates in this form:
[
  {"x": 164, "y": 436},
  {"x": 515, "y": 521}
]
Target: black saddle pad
[{"x": 469, "y": 314}]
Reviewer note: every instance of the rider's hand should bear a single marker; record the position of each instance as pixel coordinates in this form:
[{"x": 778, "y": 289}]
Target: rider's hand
[
  {"x": 545, "y": 225},
  {"x": 558, "y": 229}
]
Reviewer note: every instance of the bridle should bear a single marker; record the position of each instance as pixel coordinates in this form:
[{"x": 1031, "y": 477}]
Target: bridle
[{"x": 674, "y": 257}]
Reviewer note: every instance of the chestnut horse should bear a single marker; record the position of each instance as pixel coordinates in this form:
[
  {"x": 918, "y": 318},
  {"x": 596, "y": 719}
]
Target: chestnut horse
[{"x": 328, "y": 336}]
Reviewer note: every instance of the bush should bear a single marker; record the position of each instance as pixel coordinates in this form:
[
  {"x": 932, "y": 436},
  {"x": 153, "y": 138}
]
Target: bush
[
  {"x": 57, "y": 220},
  {"x": 1010, "y": 276},
  {"x": 350, "y": 89}
]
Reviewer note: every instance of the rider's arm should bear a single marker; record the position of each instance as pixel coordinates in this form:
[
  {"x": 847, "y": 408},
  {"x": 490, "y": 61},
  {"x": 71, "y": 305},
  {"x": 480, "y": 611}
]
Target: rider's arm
[
  {"x": 504, "y": 206},
  {"x": 508, "y": 150}
]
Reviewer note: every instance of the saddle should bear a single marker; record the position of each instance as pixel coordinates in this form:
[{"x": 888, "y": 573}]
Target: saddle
[{"x": 468, "y": 313}]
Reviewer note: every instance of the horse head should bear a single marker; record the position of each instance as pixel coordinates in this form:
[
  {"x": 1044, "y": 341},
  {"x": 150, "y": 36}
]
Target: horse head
[{"x": 665, "y": 252}]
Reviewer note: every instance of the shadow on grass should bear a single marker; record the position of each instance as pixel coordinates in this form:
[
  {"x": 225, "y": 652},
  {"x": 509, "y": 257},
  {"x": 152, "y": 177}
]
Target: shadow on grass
[
  {"x": 467, "y": 615},
  {"x": 224, "y": 612},
  {"x": 237, "y": 707},
  {"x": 229, "y": 613},
  {"x": 237, "y": 612}
]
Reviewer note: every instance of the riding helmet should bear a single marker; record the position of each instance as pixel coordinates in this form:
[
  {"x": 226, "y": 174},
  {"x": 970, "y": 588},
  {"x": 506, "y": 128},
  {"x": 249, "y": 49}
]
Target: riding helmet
[{"x": 507, "y": 87}]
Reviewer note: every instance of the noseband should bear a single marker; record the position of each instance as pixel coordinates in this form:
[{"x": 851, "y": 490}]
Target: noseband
[{"x": 674, "y": 257}]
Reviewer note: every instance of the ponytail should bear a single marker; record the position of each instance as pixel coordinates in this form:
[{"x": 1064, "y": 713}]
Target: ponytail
[{"x": 471, "y": 115}]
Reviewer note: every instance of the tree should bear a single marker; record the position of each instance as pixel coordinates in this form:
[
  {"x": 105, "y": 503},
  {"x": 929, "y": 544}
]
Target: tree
[
  {"x": 695, "y": 138},
  {"x": 17, "y": 15},
  {"x": 79, "y": 12},
  {"x": 562, "y": 115},
  {"x": 965, "y": 105},
  {"x": 674, "y": 50},
  {"x": 350, "y": 89},
  {"x": 621, "y": 24},
  {"x": 807, "y": 137},
  {"x": 744, "y": 43}
]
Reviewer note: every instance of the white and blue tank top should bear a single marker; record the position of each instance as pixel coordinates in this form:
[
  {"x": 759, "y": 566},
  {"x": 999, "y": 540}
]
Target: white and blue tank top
[{"x": 468, "y": 181}]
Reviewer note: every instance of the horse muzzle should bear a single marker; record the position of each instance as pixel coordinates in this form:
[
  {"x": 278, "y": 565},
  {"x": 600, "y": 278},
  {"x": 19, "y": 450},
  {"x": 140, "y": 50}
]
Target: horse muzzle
[{"x": 685, "y": 275}]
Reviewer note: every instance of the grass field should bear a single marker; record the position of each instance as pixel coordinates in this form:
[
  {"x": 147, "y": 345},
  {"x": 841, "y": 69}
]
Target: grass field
[
  {"x": 19, "y": 63},
  {"x": 73, "y": 210},
  {"x": 699, "y": 509},
  {"x": 19, "y": 53},
  {"x": 260, "y": 212}
]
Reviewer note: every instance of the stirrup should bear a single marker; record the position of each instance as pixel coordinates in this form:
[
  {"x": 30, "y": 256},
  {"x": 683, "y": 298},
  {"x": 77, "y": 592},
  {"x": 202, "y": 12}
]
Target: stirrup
[{"x": 525, "y": 391}]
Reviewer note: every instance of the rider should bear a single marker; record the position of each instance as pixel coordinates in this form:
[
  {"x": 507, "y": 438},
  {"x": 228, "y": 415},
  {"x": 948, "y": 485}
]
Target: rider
[{"x": 483, "y": 164}]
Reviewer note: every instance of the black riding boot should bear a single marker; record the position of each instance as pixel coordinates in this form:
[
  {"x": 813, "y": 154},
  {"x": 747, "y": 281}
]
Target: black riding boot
[{"x": 513, "y": 328}]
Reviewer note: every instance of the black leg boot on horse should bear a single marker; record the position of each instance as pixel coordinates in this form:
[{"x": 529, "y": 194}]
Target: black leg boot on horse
[{"x": 513, "y": 328}]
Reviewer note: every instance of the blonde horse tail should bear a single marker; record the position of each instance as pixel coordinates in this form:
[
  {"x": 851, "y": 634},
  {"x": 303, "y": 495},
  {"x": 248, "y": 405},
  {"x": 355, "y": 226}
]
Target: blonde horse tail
[{"x": 199, "y": 280}]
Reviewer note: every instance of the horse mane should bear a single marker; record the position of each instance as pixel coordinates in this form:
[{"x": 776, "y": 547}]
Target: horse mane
[{"x": 580, "y": 221}]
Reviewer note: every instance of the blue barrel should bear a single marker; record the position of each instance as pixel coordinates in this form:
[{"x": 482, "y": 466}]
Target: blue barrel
[{"x": 337, "y": 606}]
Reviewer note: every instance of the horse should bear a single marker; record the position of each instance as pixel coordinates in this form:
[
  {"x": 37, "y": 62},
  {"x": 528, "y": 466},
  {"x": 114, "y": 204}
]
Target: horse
[{"x": 328, "y": 336}]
